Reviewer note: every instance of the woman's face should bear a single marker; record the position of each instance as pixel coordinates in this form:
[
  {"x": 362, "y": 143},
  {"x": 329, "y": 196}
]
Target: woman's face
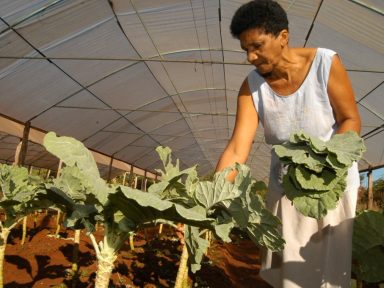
[{"x": 264, "y": 51}]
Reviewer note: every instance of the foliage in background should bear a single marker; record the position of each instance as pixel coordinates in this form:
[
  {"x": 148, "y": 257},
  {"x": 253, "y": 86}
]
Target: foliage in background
[{"x": 368, "y": 246}]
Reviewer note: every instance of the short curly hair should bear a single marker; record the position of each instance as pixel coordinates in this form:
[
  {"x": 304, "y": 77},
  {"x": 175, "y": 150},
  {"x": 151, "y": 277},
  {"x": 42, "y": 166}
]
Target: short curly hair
[{"x": 266, "y": 15}]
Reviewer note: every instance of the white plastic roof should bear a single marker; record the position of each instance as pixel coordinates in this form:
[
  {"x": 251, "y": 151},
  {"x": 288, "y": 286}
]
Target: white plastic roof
[{"x": 125, "y": 76}]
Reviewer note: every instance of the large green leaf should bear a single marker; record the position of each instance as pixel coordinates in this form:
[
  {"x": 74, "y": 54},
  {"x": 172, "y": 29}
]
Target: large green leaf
[
  {"x": 74, "y": 154},
  {"x": 300, "y": 154},
  {"x": 196, "y": 246},
  {"x": 368, "y": 246},
  {"x": 170, "y": 186},
  {"x": 18, "y": 192},
  {"x": 326, "y": 180},
  {"x": 317, "y": 172},
  {"x": 313, "y": 203},
  {"x": 347, "y": 147},
  {"x": 220, "y": 189},
  {"x": 141, "y": 207}
]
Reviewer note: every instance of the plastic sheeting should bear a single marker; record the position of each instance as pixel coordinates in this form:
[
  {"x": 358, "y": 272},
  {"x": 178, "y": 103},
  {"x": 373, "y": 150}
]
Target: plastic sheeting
[{"x": 125, "y": 76}]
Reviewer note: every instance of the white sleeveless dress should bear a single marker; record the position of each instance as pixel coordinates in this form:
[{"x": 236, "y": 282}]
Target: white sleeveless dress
[{"x": 317, "y": 252}]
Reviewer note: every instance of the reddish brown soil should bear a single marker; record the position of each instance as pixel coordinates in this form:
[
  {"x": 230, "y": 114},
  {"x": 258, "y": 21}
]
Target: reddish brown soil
[{"x": 45, "y": 261}]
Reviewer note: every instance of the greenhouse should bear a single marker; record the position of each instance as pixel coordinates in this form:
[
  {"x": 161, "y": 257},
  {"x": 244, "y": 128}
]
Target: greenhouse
[{"x": 124, "y": 77}]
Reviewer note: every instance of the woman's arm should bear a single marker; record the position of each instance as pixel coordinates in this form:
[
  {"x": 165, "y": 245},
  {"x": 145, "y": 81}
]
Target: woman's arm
[
  {"x": 240, "y": 144},
  {"x": 342, "y": 98}
]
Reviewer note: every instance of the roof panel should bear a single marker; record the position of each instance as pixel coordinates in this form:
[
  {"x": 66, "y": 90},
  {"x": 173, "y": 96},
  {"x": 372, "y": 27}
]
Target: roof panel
[
  {"x": 77, "y": 122},
  {"x": 35, "y": 85},
  {"x": 129, "y": 89},
  {"x": 168, "y": 96}
]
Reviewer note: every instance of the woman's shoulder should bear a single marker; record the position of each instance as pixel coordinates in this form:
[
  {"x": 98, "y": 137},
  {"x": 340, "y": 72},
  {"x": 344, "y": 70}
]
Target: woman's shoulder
[{"x": 309, "y": 53}]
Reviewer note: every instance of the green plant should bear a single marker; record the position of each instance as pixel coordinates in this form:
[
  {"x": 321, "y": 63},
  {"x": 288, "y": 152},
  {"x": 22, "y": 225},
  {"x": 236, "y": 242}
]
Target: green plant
[
  {"x": 17, "y": 199},
  {"x": 316, "y": 170}
]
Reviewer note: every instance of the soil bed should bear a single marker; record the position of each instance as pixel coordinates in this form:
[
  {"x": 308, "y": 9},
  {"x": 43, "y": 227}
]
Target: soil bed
[{"x": 45, "y": 260}]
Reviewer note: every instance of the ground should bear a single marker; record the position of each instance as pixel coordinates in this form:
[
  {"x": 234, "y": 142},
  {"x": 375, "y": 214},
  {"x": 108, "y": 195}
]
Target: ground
[{"x": 45, "y": 260}]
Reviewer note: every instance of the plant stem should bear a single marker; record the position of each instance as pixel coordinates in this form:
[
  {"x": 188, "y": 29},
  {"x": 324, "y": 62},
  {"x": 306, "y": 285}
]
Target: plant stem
[
  {"x": 75, "y": 258},
  {"x": 131, "y": 243},
  {"x": 182, "y": 267},
  {"x": 58, "y": 223},
  {"x": 3, "y": 243},
  {"x": 24, "y": 235}
]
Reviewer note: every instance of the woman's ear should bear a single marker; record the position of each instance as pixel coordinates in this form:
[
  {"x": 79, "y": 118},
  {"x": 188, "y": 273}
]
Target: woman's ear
[{"x": 284, "y": 37}]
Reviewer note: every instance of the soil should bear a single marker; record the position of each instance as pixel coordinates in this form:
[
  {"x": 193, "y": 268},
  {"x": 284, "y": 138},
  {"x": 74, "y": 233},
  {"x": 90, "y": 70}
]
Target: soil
[{"x": 45, "y": 260}]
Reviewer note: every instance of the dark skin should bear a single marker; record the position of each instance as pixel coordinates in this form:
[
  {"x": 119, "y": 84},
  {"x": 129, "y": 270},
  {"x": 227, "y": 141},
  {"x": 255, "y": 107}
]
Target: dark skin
[{"x": 284, "y": 68}]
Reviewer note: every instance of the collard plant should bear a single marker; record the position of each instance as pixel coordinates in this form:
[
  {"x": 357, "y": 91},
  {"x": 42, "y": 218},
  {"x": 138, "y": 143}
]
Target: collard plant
[
  {"x": 18, "y": 196},
  {"x": 216, "y": 206},
  {"x": 317, "y": 170},
  {"x": 87, "y": 198},
  {"x": 228, "y": 204},
  {"x": 368, "y": 246}
]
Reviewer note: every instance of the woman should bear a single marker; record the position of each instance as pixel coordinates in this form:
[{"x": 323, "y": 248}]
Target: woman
[{"x": 293, "y": 89}]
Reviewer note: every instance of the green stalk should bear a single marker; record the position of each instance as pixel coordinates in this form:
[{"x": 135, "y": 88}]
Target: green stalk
[
  {"x": 106, "y": 253},
  {"x": 185, "y": 278},
  {"x": 131, "y": 242},
  {"x": 24, "y": 235},
  {"x": 75, "y": 258},
  {"x": 58, "y": 223},
  {"x": 182, "y": 268},
  {"x": 3, "y": 243}
]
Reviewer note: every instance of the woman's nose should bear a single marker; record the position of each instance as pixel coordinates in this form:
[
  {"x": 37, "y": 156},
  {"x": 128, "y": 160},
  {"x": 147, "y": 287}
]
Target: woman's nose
[{"x": 251, "y": 56}]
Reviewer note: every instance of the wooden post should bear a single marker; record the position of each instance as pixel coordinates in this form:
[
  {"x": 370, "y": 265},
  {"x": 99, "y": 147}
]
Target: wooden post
[
  {"x": 145, "y": 181},
  {"x": 130, "y": 180},
  {"x": 370, "y": 190},
  {"x": 124, "y": 177},
  {"x": 22, "y": 147},
  {"x": 110, "y": 170},
  {"x": 58, "y": 226}
]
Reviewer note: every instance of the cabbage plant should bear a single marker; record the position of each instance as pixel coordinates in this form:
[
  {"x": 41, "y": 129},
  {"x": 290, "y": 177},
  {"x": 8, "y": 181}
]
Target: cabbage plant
[
  {"x": 316, "y": 170},
  {"x": 368, "y": 246},
  {"x": 179, "y": 197},
  {"x": 228, "y": 204},
  {"x": 18, "y": 192}
]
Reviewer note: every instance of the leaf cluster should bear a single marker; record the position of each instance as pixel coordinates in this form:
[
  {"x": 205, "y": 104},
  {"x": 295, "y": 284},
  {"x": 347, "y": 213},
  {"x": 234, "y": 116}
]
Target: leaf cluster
[
  {"x": 317, "y": 170},
  {"x": 179, "y": 197},
  {"x": 18, "y": 192},
  {"x": 225, "y": 204},
  {"x": 368, "y": 246}
]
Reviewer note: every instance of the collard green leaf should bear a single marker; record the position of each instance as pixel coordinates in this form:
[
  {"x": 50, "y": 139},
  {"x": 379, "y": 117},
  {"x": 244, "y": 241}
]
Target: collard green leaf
[
  {"x": 209, "y": 194},
  {"x": 74, "y": 154},
  {"x": 302, "y": 138},
  {"x": 16, "y": 184},
  {"x": 239, "y": 211},
  {"x": 317, "y": 170},
  {"x": 18, "y": 192},
  {"x": 368, "y": 246},
  {"x": 170, "y": 186},
  {"x": 347, "y": 147},
  {"x": 300, "y": 154},
  {"x": 142, "y": 207},
  {"x": 313, "y": 203},
  {"x": 266, "y": 235},
  {"x": 196, "y": 246},
  {"x": 82, "y": 216},
  {"x": 324, "y": 181}
]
